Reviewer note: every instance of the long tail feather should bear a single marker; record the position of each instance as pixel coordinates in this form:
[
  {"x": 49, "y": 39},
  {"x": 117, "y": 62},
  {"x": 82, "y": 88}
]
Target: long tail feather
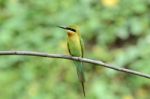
[
  {"x": 80, "y": 72},
  {"x": 82, "y": 83}
]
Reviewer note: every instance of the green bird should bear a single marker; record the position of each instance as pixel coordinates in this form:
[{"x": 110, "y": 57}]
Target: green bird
[{"x": 76, "y": 48}]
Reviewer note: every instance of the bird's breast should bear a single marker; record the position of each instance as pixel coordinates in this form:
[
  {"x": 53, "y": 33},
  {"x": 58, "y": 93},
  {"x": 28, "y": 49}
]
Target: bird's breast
[
  {"x": 74, "y": 45},
  {"x": 70, "y": 34}
]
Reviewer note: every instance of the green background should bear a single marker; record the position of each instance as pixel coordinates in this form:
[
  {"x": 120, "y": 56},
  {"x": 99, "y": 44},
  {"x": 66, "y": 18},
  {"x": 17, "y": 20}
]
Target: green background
[{"x": 116, "y": 32}]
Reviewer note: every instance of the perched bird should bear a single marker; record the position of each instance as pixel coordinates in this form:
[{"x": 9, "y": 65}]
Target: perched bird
[{"x": 76, "y": 48}]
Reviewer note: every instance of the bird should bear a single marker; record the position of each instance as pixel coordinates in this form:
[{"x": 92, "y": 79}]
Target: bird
[{"x": 76, "y": 48}]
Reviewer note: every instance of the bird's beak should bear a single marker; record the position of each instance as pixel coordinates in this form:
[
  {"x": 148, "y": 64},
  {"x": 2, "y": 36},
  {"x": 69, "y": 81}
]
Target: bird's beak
[
  {"x": 67, "y": 28},
  {"x": 63, "y": 27}
]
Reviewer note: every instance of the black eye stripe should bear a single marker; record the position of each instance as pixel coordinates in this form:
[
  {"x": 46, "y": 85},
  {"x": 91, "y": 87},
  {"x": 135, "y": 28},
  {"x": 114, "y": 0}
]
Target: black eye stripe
[{"x": 71, "y": 29}]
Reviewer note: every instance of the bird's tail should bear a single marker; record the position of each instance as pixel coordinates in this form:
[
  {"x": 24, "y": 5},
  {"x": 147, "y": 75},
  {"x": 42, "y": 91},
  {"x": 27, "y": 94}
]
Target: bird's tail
[{"x": 80, "y": 72}]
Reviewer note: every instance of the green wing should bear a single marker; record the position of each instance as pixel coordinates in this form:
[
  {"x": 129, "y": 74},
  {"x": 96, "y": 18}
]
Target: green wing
[
  {"x": 82, "y": 46},
  {"x": 68, "y": 47}
]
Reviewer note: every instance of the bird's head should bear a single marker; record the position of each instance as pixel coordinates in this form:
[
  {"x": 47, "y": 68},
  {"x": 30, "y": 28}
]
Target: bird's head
[{"x": 71, "y": 30}]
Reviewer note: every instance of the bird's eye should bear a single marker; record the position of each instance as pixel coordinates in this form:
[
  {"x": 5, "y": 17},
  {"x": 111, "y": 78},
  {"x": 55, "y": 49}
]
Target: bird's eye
[{"x": 71, "y": 29}]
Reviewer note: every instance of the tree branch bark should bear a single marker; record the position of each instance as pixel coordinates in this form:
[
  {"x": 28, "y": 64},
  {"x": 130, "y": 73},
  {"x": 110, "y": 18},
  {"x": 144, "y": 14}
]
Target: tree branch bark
[{"x": 86, "y": 60}]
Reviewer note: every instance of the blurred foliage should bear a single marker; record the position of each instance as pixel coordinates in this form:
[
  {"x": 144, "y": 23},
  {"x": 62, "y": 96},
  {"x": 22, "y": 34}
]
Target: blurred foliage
[{"x": 115, "y": 31}]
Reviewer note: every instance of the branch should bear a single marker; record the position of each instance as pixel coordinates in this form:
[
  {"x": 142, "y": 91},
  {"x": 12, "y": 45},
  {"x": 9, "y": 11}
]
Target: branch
[{"x": 39, "y": 54}]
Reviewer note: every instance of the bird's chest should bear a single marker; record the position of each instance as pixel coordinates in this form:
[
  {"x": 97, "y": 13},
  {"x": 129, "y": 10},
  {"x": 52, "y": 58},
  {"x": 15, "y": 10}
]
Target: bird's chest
[{"x": 74, "y": 45}]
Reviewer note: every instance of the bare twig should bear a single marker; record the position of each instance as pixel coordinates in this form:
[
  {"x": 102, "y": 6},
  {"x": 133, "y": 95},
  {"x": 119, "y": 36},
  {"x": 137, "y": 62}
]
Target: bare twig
[{"x": 39, "y": 54}]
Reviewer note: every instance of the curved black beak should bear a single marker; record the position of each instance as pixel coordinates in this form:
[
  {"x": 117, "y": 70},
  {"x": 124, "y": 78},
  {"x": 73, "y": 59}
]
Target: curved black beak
[
  {"x": 67, "y": 28},
  {"x": 62, "y": 27}
]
